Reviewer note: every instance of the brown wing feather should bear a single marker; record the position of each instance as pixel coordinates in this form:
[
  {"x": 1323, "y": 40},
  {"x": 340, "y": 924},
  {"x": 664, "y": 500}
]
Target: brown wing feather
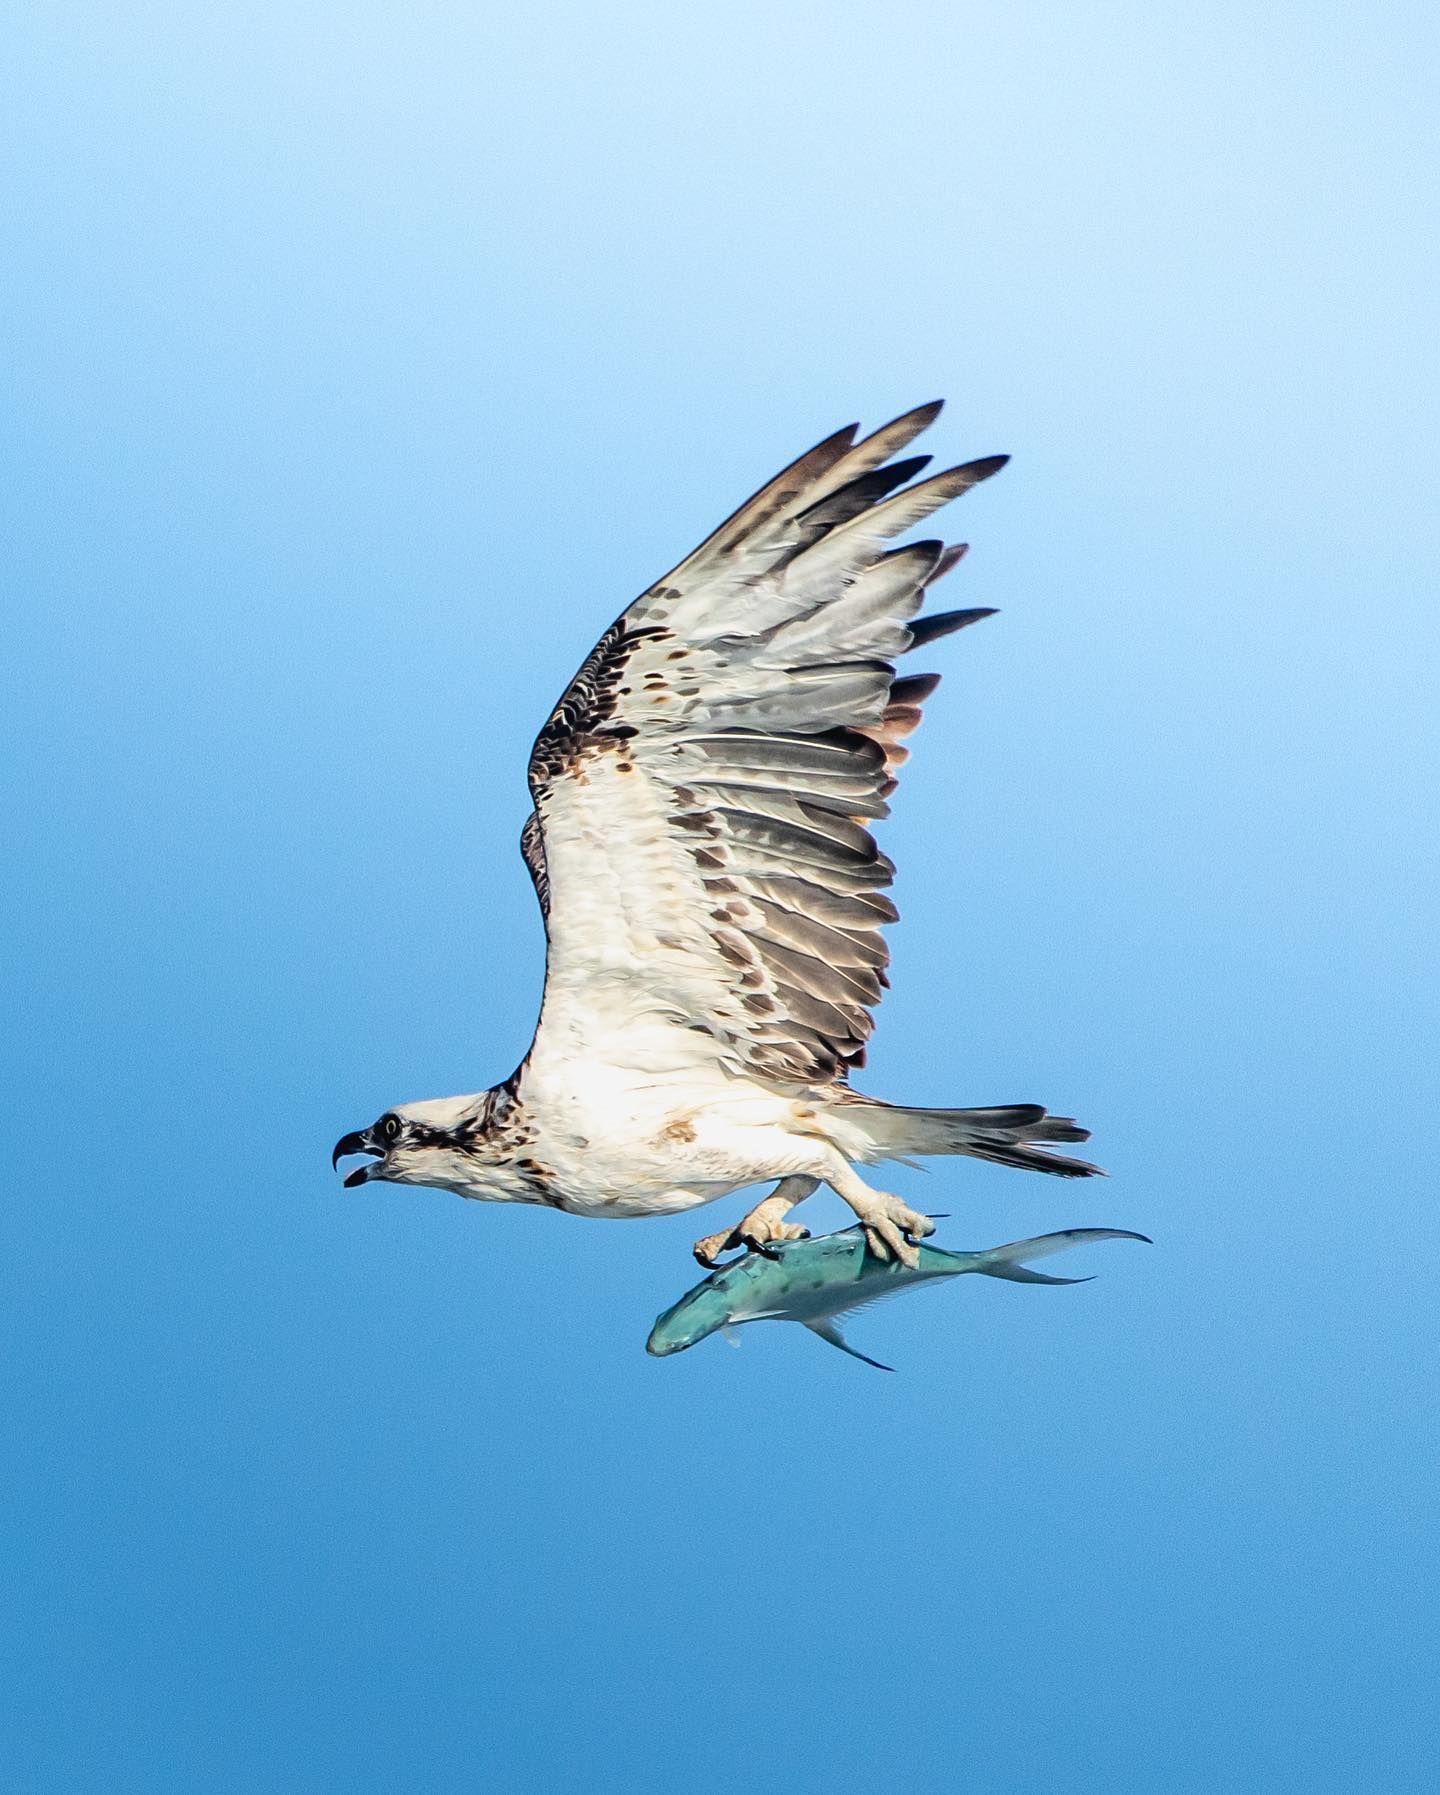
[{"x": 753, "y": 695}]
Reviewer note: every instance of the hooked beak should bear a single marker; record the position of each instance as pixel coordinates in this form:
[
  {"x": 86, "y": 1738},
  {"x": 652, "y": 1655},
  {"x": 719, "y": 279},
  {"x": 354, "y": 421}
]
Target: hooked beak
[{"x": 345, "y": 1147}]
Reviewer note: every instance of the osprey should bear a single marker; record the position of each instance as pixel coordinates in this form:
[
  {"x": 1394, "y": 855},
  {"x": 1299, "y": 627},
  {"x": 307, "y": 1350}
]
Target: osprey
[{"x": 714, "y": 901}]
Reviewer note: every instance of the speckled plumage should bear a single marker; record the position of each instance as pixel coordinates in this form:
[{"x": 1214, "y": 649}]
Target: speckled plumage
[{"x": 713, "y": 896}]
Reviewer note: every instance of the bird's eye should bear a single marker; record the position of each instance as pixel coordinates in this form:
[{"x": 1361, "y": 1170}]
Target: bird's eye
[{"x": 390, "y": 1127}]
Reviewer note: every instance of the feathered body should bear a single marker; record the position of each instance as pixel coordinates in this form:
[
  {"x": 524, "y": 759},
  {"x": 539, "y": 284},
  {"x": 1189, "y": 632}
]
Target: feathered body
[{"x": 713, "y": 896}]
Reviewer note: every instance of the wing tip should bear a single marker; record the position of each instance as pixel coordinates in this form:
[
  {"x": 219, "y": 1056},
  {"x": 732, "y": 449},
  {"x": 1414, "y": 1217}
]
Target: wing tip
[
  {"x": 924, "y": 630},
  {"x": 927, "y": 413},
  {"x": 982, "y": 468}
]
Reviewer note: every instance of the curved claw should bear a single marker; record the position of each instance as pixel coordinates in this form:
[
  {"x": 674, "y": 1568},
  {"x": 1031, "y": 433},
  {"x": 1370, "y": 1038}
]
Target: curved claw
[
  {"x": 740, "y": 1240},
  {"x": 894, "y": 1231},
  {"x": 886, "y": 1242},
  {"x": 769, "y": 1247},
  {"x": 708, "y": 1250}
]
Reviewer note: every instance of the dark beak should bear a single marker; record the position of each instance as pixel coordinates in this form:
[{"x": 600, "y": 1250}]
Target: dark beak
[{"x": 345, "y": 1148}]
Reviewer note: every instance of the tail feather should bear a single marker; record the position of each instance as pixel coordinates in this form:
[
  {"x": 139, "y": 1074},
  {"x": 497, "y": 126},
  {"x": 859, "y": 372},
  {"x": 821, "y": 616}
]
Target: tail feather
[
  {"x": 1029, "y": 1159},
  {"x": 1006, "y": 1135}
]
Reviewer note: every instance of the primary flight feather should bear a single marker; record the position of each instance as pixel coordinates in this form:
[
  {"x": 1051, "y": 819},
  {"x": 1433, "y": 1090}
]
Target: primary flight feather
[{"x": 714, "y": 901}]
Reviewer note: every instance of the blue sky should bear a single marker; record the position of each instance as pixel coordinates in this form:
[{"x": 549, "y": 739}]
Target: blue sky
[{"x": 361, "y": 364}]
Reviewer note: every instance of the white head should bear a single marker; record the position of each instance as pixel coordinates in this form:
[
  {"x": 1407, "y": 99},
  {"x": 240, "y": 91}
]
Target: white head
[{"x": 433, "y": 1142}]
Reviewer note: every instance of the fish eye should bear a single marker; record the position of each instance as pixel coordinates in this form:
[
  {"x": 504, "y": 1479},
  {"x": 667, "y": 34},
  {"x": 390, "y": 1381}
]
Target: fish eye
[{"x": 390, "y": 1127}]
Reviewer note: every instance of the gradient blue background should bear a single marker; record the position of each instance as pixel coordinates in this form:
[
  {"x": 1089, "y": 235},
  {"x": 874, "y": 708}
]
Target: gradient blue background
[{"x": 362, "y": 362}]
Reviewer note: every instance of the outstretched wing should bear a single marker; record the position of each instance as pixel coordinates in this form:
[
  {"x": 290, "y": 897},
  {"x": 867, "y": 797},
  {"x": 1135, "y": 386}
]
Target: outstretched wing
[{"x": 703, "y": 790}]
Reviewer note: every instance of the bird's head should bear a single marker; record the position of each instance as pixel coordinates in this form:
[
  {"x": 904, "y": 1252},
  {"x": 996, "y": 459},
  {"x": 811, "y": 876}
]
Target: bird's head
[{"x": 414, "y": 1143}]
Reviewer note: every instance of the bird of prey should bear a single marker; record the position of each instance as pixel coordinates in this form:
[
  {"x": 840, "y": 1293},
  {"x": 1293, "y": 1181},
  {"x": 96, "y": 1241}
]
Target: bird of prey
[{"x": 714, "y": 900}]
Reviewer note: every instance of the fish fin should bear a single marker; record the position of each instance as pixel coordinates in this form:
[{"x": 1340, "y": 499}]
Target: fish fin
[
  {"x": 1004, "y": 1262},
  {"x": 868, "y": 1298},
  {"x": 827, "y": 1330},
  {"x": 731, "y": 1335},
  {"x": 1021, "y": 1274}
]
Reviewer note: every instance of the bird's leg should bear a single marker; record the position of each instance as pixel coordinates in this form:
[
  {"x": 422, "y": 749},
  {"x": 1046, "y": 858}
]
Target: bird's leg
[
  {"x": 892, "y": 1227},
  {"x": 765, "y": 1222}
]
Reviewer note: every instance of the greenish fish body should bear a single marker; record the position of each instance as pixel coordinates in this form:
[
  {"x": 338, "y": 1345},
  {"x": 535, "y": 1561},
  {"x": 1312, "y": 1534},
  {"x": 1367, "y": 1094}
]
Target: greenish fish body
[{"x": 815, "y": 1282}]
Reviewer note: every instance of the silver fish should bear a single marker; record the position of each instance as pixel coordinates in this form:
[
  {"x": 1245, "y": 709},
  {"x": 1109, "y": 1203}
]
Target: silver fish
[{"x": 816, "y": 1281}]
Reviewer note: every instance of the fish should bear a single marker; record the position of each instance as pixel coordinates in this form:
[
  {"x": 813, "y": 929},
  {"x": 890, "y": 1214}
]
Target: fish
[{"x": 817, "y": 1281}]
